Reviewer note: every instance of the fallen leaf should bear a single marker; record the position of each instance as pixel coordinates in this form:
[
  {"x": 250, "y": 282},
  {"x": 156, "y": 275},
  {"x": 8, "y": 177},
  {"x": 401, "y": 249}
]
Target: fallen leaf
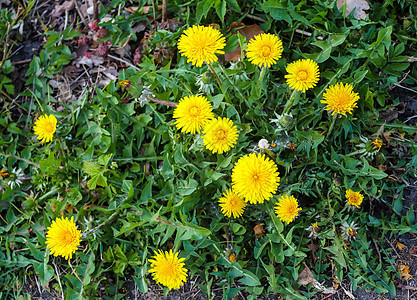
[
  {"x": 259, "y": 230},
  {"x": 358, "y": 5},
  {"x": 404, "y": 272},
  {"x": 400, "y": 246},
  {"x": 305, "y": 277},
  {"x": 89, "y": 61},
  {"x": 61, "y": 8},
  {"x": 248, "y": 32}
]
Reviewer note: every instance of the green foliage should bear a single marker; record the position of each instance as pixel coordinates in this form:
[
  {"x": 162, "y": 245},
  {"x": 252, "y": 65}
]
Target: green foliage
[{"x": 135, "y": 183}]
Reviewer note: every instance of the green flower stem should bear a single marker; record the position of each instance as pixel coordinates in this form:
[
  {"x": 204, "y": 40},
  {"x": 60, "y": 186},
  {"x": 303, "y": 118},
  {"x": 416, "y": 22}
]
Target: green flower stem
[
  {"x": 290, "y": 102},
  {"x": 226, "y": 96},
  {"x": 277, "y": 229},
  {"x": 217, "y": 77},
  {"x": 261, "y": 79},
  {"x": 231, "y": 83},
  {"x": 331, "y": 125}
]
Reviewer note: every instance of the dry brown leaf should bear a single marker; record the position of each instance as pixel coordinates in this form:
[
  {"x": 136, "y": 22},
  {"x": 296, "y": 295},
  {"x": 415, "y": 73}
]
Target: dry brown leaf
[
  {"x": 60, "y": 9},
  {"x": 248, "y": 32},
  {"x": 305, "y": 277},
  {"x": 359, "y": 5},
  {"x": 89, "y": 61},
  {"x": 259, "y": 230},
  {"x": 145, "y": 9},
  {"x": 400, "y": 246},
  {"x": 404, "y": 272}
]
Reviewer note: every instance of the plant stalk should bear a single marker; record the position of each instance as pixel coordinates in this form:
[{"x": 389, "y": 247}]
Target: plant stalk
[
  {"x": 331, "y": 126},
  {"x": 290, "y": 102}
]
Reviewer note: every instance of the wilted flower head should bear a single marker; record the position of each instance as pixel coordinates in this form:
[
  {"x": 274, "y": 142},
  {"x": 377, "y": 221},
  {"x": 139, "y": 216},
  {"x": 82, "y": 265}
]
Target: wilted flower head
[
  {"x": 349, "y": 231},
  {"x": 377, "y": 144},
  {"x": 205, "y": 83},
  {"x": 314, "y": 229},
  {"x": 16, "y": 178}
]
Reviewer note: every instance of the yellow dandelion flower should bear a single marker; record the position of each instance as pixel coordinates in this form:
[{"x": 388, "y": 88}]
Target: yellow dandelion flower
[
  {"x": 63, "y": 238},
  {"x": 232, "y": 204},
  {"x": 200, "y": 44},
  {"x": 220, "y": 135},
  {"x": 4, "y": 173},
  {"x": 167, "y": 269},
  {"x": 232, "y": 257},
  {"x": 315, "y": 226},
  {"x": 287, "y": 208},
  {"x": 340, "y": 98},
  {"x": 377, "y": 144},
  {"x": 45, "y": 127},
  {"x": 354, "y": 198},
  {"x": 193, "y": 112},
  {"x": 125, "y": 83},
  {"x": 303, "y": 74},
  {"x": 264, "y": 50},
  {"x": 255, "y": 178}
]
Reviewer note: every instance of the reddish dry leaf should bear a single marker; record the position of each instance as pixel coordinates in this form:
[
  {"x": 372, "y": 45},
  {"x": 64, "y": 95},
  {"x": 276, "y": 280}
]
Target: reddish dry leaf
[
  {"x": 60, "y": 9},
  {"x": 305, "y": 277},
  {"x": 359, "y": 5},
  {"x": 248, "y": 32},
  {"x": 405, "y": 272},
  {"x": 259, "y": 230},
  {"x": 400, "y": 246}
]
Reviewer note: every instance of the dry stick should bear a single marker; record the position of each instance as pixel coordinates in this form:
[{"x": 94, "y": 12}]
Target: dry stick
[
  {"x": 95, "y": 13},
  {"x": 377, "y": 250},
  {"x": 124, "y": 61},
  {"x": 59, "y": 280},
  {"x": 21, "y": 62},
  {"x": 164, "y": 10},
  {"x": 392, "y": 246},
  {"x": 73, "y": 272},
  {"x": 22, "y": 159},
  {"x": 77, "y": 7},
  {"x": 163, "y": 102}
]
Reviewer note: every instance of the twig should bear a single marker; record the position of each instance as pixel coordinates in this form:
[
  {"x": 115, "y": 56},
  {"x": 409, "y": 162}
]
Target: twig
[
  {"x": 307, "y": 33},
  {"x": 95, "y": 13},
  {"x": 59, "y": 280},
  {"x": 163, "y": 102},
  {"x": 377, "y": 250},
  {"x": 77, "y": 7},
  {"x": 393, "y": 248},
  {"x": 164, "y": 10},
  {"x": 124, "y": 61},
  {"x": 22, "y": 159},
  {"x": 73, "y": 272},
  {"x": 406, "y": 88},
  {"x": 21, "y": 62},
  {"x": 256, "y": 18}
]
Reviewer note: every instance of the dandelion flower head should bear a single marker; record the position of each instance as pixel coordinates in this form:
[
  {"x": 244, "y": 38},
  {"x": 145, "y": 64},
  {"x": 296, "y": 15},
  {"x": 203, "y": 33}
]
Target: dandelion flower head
[
  {"x": 192, "y": 113},
  {"x": 255, "y": 178},
  {"x": 232, "y": 204},
  {"x": 220, "y": 135},
  {"x": 377, "y": 144},
  {"x": 303, "y": 74},
  {"x": 63, "y": 238},
  {"x": 45, "y": 127},
  {"x": 264, "y": 50},
  {"x": 354, "y": 198},
  {"x": 167, "y": 269},
  {"x": 200, "y": 44},
  {"x": 340, "y": 98},
  {"x": 287, "y": 208}
]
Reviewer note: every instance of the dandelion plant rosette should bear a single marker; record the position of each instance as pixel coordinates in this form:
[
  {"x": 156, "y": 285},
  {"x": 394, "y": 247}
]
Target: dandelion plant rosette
[
  {"x": 255, "y": 177},
  {"x": 200, "y": 44}
]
